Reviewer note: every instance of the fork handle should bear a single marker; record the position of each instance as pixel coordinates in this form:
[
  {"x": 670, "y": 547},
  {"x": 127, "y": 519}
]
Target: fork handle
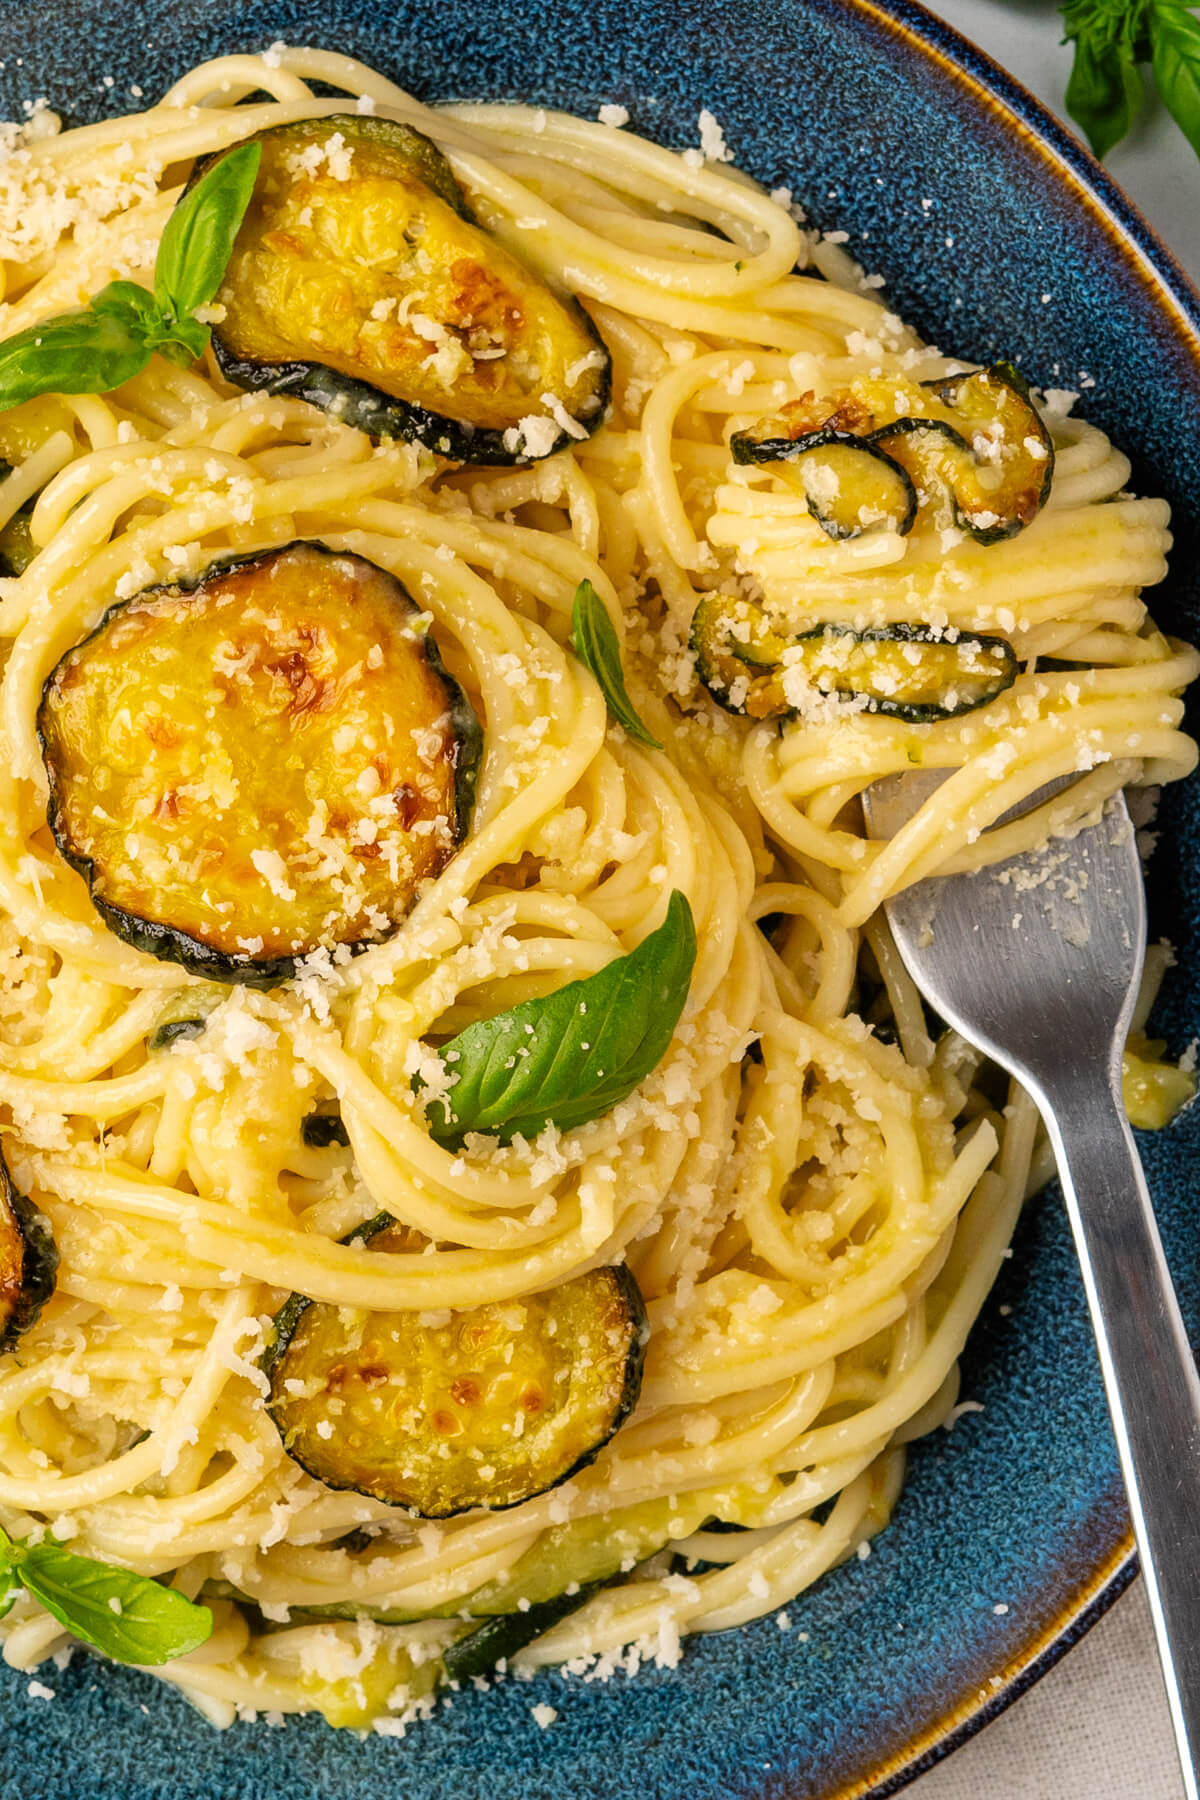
[{"x": 1148, "y": 1367}]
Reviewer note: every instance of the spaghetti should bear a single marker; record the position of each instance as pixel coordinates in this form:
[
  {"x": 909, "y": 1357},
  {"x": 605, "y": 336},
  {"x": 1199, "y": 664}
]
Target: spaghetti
[{"x": 812, "y": 1193}]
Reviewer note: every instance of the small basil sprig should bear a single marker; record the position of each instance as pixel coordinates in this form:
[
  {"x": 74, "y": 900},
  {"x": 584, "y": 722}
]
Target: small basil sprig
[
  {"x": 148, "y": 1623},
  {"x": 597, "y": 648},
  {"x": 112, "y": 339},
  {"x": 1112, "y": 38},
  {"x": 574, "y": 1054}
]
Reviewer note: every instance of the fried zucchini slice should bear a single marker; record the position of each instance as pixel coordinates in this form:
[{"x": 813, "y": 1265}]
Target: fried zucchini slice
[
  {"x": 267, "y": 761},
  {"x": 909, "y": 672},
  {"x": 847, "y": 484},
  {"x": 28, "y": 1261},
  {"x": 499, "y": 1403},
  {"x": 1001, "y": 477},
  {"x": 361, "y": 281},
  {"x": 974, "y": 439}
]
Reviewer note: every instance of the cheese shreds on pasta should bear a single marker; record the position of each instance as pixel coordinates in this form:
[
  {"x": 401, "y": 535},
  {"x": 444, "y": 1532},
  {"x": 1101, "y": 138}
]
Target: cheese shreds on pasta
[{"x": 813, "y": 1194}]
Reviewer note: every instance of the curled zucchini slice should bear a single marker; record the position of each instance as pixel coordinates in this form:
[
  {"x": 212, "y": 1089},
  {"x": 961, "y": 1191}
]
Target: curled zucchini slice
[
  {"x": 28, "y": 1261},
  {"x": 361, "y": 281},
  {"x": 495, "y": 1405},
  {"x": 1001, "y": 476},
  {"x": 907, "y": 671},
  {"x": 268, "y": 761},
  {"x": 862, "y": 464},
  {"x": 848, "y": 484}
]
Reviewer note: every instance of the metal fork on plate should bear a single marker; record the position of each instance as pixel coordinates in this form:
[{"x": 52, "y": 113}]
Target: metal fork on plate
[{"x": 1048, "y": 995}]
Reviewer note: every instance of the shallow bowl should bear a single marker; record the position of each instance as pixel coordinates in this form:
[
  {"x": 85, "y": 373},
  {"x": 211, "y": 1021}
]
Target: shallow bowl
[{"x": 997, "y": 235}]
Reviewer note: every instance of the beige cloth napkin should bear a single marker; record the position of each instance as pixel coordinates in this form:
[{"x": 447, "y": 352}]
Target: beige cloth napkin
[{"x": 1095, "y": 1728}]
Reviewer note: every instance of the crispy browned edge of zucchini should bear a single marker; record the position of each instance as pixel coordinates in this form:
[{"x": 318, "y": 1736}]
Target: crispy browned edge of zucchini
[
  {"x": 166, "y": 942},
  {"x": 359, "y": 403},
  {"x": 296, "y": 1305},
  {"x": 39, "y": 1260}
]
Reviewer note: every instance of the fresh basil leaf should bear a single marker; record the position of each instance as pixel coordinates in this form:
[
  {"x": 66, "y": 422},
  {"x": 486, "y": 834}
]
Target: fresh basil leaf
[
  {"x": 181, "y": 342},
  {"x": 596, "y": 646},
  {"x": 1104, "y": 92},
  {"x": 196, "y": 245},
  {"x": 126, "y": 300},
  {"x": 153, "y": 1623},
  {"x": 1175, "y": 59},
  {"x": 574, "y": 1054},
  {"x": 75, "y": 353}
]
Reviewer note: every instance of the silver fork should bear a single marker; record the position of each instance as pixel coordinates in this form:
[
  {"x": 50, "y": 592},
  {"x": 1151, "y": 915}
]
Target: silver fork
[{"x": 1048, "y": 996}]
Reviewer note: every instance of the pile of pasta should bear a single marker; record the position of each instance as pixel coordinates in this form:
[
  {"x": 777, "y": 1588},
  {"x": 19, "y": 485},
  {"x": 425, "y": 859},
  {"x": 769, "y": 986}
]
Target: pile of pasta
[{"x": 813, "y": 1194}]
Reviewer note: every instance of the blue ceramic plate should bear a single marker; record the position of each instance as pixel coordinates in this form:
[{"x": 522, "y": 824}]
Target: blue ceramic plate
[{"x": 870, "y": 113}]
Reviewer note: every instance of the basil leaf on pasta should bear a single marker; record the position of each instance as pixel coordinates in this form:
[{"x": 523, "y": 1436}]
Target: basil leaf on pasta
[
  {"x": 75, "y": 353},
  {"x": 200, "y": 233},
  {"x": 574, "y": 1054},
  {"x": 597, "y": 648},
  {"x": 130, "y": 1617}
]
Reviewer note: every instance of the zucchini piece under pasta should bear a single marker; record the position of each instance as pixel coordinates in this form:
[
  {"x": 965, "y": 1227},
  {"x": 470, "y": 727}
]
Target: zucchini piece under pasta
[
  {"x": 496, "y": 1404},
  {"x": 269, "y": 760},
  {"x": 498, "y": 1639}
]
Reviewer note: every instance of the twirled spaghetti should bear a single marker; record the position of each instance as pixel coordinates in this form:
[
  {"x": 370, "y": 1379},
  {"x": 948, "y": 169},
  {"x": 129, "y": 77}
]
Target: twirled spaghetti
[{"x": 814, "y": 1226}]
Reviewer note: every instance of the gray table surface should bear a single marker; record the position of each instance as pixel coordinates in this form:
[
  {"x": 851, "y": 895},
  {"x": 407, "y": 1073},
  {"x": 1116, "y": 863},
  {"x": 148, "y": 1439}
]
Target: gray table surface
[{"x": 1096, "y": 1727}]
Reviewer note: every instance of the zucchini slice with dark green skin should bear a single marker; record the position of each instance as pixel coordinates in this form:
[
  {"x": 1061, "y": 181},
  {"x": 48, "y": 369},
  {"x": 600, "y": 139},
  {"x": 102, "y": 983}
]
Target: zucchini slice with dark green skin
[
  {"x": 361, "y": 282},
  {"x": 499, "y": 1639},
  {"x": 977, "y": 438},
  {"x": 263, "y": 762},
  {"x": 1002, "y": 479},
  {"x": 498, "y": 1404},
  {"x": 28, "y": 1261},
  {"x": 909, "y": 672},
  {"x": 849, "y": 483}
]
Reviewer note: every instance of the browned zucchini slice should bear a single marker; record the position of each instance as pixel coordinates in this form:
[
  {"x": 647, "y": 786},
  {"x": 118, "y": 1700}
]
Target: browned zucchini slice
[
  {"x": 361, "y": 281},
  {"x": 976, "y": 438},
  {"x": 28, "y": 1261},
  {"x": 496, "y": 1405},
  {"x": 849, "y": 485},
  {"x": 265, "y": 762},
  {"x": 907, "y": 671},
  {"x": 1001, "y": 482}
]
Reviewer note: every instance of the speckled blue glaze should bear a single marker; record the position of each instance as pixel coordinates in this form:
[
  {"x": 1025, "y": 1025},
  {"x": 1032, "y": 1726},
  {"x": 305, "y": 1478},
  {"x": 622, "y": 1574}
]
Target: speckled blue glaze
[{"x": 975, "y": 205}]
